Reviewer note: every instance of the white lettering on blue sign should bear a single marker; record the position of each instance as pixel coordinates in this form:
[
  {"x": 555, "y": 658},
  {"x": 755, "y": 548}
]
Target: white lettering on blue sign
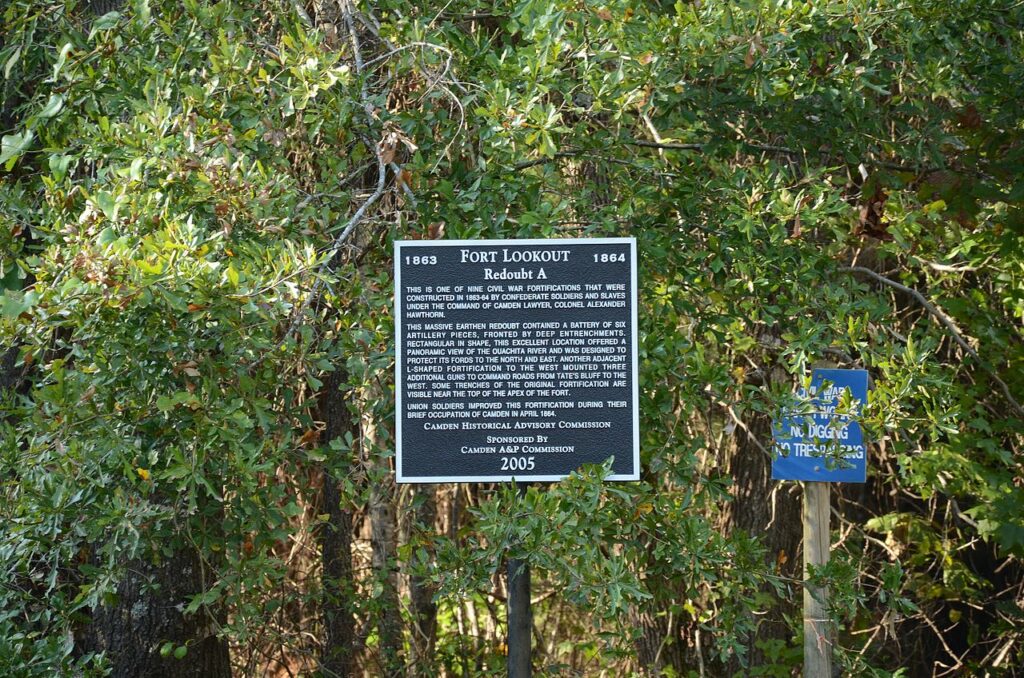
[{"x": 819, "y": 438}]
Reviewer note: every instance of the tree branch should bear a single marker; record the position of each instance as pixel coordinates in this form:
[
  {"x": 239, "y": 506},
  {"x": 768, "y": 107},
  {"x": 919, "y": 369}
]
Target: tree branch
[
  {"x": 702, "y": 146},
  {"x": 946, "y": 322},
  {"x": 368, "y": 107},
  {"x": 663, "y": 145},
  {"x": 346, "y": 232},
  {"x": 540, "y": 161},
  {"x": 770, "y": 148}
]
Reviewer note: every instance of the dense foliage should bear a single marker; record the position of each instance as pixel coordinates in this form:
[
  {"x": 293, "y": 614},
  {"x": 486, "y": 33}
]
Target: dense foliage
[{"x": 197, "y": 204}]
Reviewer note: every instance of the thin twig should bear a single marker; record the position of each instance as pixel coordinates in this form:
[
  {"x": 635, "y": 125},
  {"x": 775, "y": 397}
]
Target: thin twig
[
  {"x": 402, "y": 48},
  {"x": 742, "y": 425},
  {"x": 540, "y": 161},
  {"x": 654, "y": 132},
  {"x": 661, "y": 145},
  {"x": 396, "y": 168},
  {"x": 942, "y": 639},
  {"x": 436, "y": 80},
  {"x": 666, "y": 145},
  {"x": 701, "y": 147},
  {"x": 947, "y": 268}
]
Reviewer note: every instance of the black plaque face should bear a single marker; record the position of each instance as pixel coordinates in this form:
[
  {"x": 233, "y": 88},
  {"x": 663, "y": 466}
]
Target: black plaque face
[{"x": 515, "y": 359}]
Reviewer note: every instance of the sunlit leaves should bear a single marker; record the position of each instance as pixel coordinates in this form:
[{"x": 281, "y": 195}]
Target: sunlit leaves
[
  {"x": 12, "y": 146},
  {"x": 176, "y": 173}
]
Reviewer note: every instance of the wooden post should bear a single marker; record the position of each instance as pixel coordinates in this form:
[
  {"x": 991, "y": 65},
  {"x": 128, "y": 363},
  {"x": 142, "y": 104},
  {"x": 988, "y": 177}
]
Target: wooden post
[
  {"x": 817, "y": 640},
  {"x": 520, "y": 616}
]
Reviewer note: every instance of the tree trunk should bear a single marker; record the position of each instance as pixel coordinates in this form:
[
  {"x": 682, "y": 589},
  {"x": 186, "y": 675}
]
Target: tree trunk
[
  {"x": 10, "y": 376},
  {"x": 147, "y": 613},
  {"x": 421, "y": 593},
  {"x": 382, "y": 542},
  {"x": 659, "y": 633},
  {"x": 338, "y": 654},
  {"x": 658, "y": 643},
  {"x": 768, "y": 511},
  {"x": 383, "y": 545}
]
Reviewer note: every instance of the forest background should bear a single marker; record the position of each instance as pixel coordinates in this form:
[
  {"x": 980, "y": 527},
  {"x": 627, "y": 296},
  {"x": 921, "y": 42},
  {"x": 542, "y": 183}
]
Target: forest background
[{"x": 197, "y": 205}]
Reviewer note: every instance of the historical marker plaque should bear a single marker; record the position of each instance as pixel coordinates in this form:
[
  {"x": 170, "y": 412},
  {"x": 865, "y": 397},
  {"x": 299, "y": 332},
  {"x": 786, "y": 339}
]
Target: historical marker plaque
[{"x": 515, "y": 359}]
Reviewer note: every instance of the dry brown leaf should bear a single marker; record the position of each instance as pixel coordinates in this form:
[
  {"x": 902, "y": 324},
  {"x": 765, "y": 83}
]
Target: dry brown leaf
[
  {"x": 275, "y": 137},
  {"x": 89, "y": 393},
  {"x": 387, "y": 151},
  {"x": 310, "y": 437},
  {"x": 435, "y": 231}
]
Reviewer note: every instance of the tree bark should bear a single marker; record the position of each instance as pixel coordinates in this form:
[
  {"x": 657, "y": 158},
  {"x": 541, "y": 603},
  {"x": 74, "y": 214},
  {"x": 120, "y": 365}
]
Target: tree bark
[
  {"x": 768, "y": 511},
  {"x": 658, "y": 641},
  {"x": 658, "y": 644},
  {"x": 339, "y": 642},
  {"x": 382, "y": 542},
  {"x": 147, "y": 613},
  {"x": 10, "y": 378},
  {"x": 421, "y": 593},
  {"x": 384, "y": 549}
]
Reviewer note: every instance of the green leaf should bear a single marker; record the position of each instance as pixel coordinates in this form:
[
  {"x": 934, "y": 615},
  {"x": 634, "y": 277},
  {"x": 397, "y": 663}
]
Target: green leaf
[
  {"x": 547, "y": 146},
  {"x": 142, "y": 12},
  {"x": 151, "y": 269},
  {"x": 52, "y": 107},
  {"x": 165, "y": 403},
  {"x": 232, "y": 275},
  {"x": 13, "y": 145},
  {"x": 13, "y": 304},
  {"x": 135, "y": 174},
  {"x": 59, "y": 166},
  {"x": 11, "y": 62},
  {"x": 180, "y": 651},
  {"x": 106, "y": 236},
  {"x": 61, "y": 58},
  {"x": 106, "y": 202},
  {"x": 104, "y": 23}
]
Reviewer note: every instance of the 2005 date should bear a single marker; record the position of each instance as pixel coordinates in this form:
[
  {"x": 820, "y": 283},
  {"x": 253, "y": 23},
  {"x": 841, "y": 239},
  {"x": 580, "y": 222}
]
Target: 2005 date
[{"x": 517, "y": 463}]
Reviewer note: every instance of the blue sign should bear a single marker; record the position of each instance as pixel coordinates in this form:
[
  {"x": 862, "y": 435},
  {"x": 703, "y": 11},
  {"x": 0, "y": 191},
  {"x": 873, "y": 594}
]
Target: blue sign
[{"x": 819, "y": 438}]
